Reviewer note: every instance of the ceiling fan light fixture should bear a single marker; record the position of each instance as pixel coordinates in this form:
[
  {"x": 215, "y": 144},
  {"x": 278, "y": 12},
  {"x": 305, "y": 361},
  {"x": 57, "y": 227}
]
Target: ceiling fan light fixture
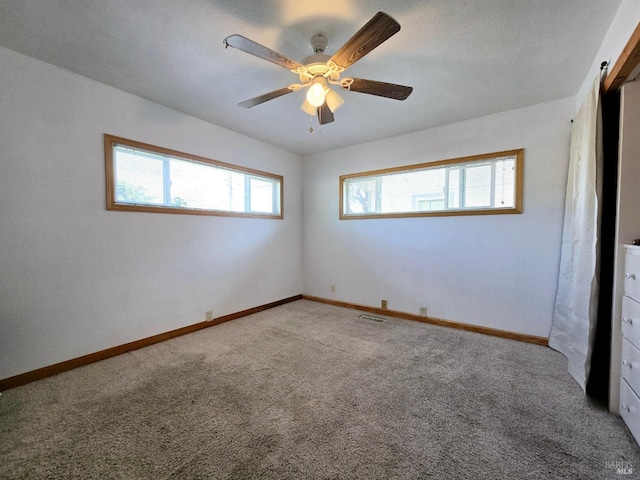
[
  {"x": 316, "y": 93},
  {"x": 334, "y": 100},
  {"x": 306, "y": 107}
]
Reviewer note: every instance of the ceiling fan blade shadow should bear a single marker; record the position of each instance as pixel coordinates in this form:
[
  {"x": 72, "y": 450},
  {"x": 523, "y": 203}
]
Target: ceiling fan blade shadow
[
  {"x": 381, "y": 89},
  {"x": 373, "y": 33},
  {"x": 324, "y": 114},
  {"x": 252, "y": 102},
  {"x": 260, "y": 51}
]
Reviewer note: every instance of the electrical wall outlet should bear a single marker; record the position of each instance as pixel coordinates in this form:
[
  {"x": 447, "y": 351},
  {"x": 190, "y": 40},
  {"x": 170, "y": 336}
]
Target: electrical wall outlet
[
  {"x": 209, "y": 315},
  {"x": 383, "y": 304},
  {"x": 332, "y": 287},
  {"x": 423, "y": 311}
]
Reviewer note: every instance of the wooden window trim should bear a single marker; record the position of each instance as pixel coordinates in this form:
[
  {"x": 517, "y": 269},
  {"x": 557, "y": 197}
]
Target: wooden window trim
[
  {"x": 519, "y": 187},
  {"x": 110, "y": 141}
]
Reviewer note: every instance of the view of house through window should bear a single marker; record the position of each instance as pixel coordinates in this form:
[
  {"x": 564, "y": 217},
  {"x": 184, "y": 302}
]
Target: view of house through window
[
  {"x": 147, "y": 178},
  {"x": 489, "y": 183}
]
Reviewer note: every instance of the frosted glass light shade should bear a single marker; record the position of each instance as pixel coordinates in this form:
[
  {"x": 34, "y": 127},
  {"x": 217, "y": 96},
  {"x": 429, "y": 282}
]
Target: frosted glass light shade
[
  {"x": 315, "y": 94},
  {"x": 308, "y": 108},
  {"x": 334, "y": 100}
]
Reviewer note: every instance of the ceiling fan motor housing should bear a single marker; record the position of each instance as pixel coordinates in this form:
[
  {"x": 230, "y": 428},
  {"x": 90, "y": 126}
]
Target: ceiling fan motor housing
[{"x": 316, "y": 64}]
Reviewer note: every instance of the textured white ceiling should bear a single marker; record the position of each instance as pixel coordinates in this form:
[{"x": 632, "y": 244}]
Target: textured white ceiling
[{"x": 464, "y": 58}]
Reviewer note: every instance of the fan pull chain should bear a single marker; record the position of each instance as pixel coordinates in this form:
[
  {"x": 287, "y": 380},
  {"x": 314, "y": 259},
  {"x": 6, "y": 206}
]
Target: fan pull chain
[{"x": 319, "y": 117}]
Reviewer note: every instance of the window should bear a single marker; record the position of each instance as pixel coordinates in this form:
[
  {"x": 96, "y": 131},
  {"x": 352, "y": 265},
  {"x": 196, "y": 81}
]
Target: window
[
  {"x": 482, "y": 184},
  {"x": 144, "y": 178}
]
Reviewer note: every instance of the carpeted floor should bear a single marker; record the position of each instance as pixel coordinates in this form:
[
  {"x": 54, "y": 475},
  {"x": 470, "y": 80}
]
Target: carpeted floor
[{"x": 311, "y": 391}]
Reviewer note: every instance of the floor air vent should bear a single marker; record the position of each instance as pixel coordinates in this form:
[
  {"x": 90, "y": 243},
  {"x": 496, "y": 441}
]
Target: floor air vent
[{"x": 371, "y": 317}]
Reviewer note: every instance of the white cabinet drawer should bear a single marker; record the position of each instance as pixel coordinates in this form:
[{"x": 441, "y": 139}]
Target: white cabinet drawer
[
  {"x": 631, "y": 320},
  {"x": 630, "y": 409},
  {"x": 630, "y": 365},
  {"x": 632, "y": 276}
]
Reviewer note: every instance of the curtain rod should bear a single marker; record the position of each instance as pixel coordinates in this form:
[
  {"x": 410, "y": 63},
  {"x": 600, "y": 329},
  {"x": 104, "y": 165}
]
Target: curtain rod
[{"x": 603, "y": 65}]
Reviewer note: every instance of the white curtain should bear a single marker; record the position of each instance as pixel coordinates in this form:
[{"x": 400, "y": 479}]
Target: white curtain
[{"x": 576, "y": 306}]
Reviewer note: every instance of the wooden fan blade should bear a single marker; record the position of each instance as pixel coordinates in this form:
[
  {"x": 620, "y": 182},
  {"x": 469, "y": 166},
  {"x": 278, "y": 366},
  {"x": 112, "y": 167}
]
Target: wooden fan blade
[
  {"x": 252, "y": 102},
  {"x": 260, "y": 51},
  {"x": 324, "y": 114},
  {"x": 382, "y": 89},
  {"x": 377, "y": 30}
]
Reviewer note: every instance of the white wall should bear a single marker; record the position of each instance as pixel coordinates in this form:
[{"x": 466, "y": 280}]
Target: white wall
[
  {"x": 498, "y": 271},
  {"x": 75, "y": 278}
]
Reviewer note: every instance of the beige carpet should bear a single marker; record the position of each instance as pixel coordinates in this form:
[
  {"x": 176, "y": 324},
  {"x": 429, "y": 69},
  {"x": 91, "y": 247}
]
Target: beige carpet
[{"x": 311, "y": 391}]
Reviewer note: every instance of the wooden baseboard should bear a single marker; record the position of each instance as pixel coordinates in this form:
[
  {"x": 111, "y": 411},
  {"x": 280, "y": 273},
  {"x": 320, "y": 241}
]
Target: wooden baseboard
[
  {"x": 50, "y": 370},
  {"x": 521, "y": 337}
]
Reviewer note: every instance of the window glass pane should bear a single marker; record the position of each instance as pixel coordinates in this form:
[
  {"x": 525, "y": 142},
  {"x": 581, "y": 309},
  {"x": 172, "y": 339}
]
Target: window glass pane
[
  {"x": 139, "y": 177},
  {"x": 414, "y": 190},
  {"x": 466, "y": 186},
  {"x": 235, "y": 187},
  {"x": 505, "y": 183},
  {"x": 194, "y": 185},
  {"x": 156, "y": 179},
  {"x": 454, "y": 188},
  {"x": 361, "y": 196},
  {"x": 477, "y": 186},
  {"x": 261, "y": 195},
  {"x": 425, "y": 204}
]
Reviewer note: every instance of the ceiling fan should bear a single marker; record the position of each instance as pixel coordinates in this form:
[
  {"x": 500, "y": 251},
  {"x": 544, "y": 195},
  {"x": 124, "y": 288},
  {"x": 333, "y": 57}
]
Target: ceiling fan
[{"x": 319, "y": 70}]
